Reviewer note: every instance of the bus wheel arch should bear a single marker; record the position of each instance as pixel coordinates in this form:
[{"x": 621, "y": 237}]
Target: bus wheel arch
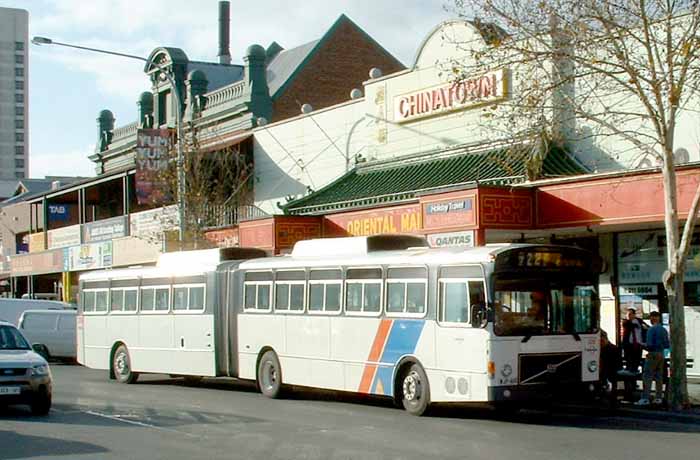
[
  {"x": 411, "y": 386},
  {"x": 268, "y": 373},
  {"x": 120, "y": 358}
]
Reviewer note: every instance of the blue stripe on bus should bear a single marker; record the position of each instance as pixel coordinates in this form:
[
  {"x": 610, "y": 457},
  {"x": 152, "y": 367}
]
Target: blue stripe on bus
[{"x": 403, "y": 340}]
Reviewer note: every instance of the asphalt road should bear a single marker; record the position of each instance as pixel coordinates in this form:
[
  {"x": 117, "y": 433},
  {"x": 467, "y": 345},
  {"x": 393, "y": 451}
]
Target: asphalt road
[{"x": 161, "y": 418}]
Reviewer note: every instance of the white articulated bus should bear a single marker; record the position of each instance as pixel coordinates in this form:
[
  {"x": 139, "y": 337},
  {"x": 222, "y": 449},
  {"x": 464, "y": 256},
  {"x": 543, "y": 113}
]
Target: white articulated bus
[{"x": 383, "y": 315}]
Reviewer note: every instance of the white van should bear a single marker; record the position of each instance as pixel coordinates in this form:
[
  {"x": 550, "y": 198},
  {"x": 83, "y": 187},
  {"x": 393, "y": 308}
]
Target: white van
[
  {"x": 53, "y": 328},
  {"x": 12, "y": 309}
]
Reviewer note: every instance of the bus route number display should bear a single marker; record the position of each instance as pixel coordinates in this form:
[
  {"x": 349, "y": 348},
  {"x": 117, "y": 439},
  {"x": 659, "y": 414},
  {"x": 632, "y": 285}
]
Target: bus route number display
[{"x": 545, "y": 259}]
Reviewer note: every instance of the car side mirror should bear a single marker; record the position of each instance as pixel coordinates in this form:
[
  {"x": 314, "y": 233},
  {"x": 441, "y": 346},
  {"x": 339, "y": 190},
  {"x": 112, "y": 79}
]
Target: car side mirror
[{"x": 41, "y": 350}]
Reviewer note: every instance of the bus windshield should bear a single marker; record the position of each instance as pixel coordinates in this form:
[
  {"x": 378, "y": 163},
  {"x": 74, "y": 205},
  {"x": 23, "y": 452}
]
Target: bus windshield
[{"x": 545, "y": 307}]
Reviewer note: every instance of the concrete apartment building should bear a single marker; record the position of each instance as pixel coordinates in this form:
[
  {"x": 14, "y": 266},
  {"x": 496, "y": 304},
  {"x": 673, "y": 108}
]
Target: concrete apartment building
[{"x": 14, "y": 128}]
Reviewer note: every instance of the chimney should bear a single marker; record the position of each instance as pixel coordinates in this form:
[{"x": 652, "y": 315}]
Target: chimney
[{"x": 224, "y": 20}]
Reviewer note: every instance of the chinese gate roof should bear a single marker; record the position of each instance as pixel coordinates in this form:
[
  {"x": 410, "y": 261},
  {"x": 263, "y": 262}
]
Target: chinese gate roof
[{"x": 383, "y": 183}]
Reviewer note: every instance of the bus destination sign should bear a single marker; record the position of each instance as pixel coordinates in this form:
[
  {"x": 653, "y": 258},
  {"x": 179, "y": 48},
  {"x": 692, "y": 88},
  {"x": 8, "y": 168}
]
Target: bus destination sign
[{"x": 543, "y": 259}]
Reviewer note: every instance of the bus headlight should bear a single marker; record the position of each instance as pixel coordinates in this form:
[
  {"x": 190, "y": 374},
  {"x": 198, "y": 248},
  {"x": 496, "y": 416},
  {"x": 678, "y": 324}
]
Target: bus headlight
[
  {"x": 506, "y": 370},
  {"x": 592, "y": 366}
]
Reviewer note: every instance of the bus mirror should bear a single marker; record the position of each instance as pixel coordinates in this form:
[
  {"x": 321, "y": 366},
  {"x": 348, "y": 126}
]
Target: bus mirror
[{"x": 481, "y": 315}]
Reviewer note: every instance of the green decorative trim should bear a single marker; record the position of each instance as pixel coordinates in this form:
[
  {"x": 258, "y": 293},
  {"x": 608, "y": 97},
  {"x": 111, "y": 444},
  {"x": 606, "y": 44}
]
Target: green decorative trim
[{"x": 382, "y": 183}]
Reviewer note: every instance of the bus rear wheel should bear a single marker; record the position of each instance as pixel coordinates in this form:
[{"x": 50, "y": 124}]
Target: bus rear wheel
[
  {"x": 415, "y": 392},
  {"x": 270, "y": 375},
  {"x": 121, "y": 365}
]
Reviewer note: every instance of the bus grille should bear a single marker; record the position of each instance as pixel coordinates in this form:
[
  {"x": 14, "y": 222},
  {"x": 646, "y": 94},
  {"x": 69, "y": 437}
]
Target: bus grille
[{"x": 549, "y": 368}]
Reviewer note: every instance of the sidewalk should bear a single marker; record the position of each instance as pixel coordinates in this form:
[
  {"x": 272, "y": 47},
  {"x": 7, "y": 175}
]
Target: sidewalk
[{"x": 656, "y": 413}]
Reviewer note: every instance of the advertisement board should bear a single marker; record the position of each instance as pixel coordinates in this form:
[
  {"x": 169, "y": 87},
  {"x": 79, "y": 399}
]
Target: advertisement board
[
  {"x": 104, "y": 230},
  {"x": 150, "y": 225},
  {"x": 37, "y": 263},
  {"x": 88, "y": 256},
  {"x": 641, "y": 257},
  {"x": 153, "y": 148},
  {"x": 64, "y": 237},
  {"x": 449, "y": 213},
  {"x": 443, "y": 240},
  {"x": 400, "y": 219}
]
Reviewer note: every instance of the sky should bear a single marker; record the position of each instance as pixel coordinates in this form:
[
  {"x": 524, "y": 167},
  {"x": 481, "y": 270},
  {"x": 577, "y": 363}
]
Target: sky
[{"x": 68, "y": 87}]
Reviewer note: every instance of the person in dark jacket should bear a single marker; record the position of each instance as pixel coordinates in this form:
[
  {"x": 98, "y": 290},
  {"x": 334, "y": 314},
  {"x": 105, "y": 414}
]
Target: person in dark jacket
[
  {"x": 633, "y": 331},
  {"x": 610, "y": 364}
]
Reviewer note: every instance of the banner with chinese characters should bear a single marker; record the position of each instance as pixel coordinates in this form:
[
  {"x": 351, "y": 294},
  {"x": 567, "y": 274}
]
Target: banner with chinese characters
[{"x": 152, "y": 155}]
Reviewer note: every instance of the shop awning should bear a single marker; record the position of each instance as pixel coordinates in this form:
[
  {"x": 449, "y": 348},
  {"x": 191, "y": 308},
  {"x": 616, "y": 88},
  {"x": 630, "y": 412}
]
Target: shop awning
[{"x": 382, "y": 183}]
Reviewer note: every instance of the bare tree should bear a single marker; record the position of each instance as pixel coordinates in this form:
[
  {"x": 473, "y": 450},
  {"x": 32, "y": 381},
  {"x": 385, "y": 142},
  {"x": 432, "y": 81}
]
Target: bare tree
[
  {"x": 620, "y": 72},
  {"x": 218, "y": 181}
]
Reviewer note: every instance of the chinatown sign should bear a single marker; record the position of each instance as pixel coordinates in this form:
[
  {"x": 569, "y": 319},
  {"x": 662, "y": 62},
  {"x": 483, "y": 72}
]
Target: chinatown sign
[{"x": 449, "y": 97}]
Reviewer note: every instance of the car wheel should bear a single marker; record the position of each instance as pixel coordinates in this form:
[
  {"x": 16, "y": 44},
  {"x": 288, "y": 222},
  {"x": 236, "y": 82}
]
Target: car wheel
[
  {"x": 121, "y": 365},
  {"x": 270, "y": 375},
  {"x": 415, "y": 392},
  {"x": 41, "y": 402}
]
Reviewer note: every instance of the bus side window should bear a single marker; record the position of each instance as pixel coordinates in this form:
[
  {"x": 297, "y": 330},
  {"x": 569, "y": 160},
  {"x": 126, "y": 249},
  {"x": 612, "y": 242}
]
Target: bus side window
[
  {"x": 406, "y": 290},
  {"x": 477, "y": 302},
  {"x": 324, "y": 290},
  {"x": 117, "y": 301},
  {"x": 289, "y": 290},
  {"x": 257, "y": 289},
  {"x": 88, "y": 301},
  {"x": 130, "y": 299},
  {"x": 101, "y": 300},
  {"x": 363, "y": 290},
  {"x": 147, "y": 297},
  {"x": 454, "y": 302}
]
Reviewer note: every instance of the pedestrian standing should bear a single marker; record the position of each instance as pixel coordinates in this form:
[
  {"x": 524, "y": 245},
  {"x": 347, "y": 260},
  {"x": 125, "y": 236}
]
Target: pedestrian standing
[
  {"x": 657, "y": 342},
  {"x": 633, "y": 330}
]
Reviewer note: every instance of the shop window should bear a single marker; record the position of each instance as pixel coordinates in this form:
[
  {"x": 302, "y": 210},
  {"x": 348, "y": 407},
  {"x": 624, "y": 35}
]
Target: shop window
[{"x": 19, "y": 46}]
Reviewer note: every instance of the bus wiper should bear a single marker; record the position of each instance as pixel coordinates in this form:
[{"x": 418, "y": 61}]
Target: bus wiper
[
  {"x": 576, "y": 336},
  {"x": 526, "y": 338}
]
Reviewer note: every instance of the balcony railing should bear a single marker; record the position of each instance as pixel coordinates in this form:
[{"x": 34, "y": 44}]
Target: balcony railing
[
  {"x": 126, "y": 131},
  {"x": 225, "y": 94},
  {"x": 227, "y": 216}
]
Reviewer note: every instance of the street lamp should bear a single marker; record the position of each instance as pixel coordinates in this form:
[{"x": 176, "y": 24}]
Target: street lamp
[{"x": 178, "y": 122}]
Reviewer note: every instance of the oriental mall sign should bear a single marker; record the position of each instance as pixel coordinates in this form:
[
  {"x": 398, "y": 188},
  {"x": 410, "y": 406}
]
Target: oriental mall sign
[{"x": 466, "y": 93}]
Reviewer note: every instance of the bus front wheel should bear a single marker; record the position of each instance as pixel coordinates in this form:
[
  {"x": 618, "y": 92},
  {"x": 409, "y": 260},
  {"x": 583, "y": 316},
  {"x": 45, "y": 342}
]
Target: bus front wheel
[
  {"x": 415, "y": 392},
  {"x": 121, "y": 365},
  {"x": 270, "y": 375}
]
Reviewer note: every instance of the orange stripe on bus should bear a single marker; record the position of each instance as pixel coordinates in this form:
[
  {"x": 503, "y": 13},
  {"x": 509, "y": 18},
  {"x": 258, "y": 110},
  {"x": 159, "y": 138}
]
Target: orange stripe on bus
[{"x": 374, "y": 354}]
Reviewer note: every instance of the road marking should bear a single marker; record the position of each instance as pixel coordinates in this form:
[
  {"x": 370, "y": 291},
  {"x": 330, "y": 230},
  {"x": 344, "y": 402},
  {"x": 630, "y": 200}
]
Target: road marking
[{"x": 119, "y": 418}]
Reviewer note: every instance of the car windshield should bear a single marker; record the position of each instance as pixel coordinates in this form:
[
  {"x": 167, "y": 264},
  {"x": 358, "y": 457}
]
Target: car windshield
[
  {"x": 11, "y": 339},
  {"x": 545, "y": 307}
]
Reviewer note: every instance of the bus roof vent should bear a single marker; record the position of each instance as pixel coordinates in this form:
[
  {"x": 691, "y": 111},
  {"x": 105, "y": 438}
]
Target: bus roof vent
[
  {"x": 241, "y": 253},
  {"x": 356, "y": 245}
]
